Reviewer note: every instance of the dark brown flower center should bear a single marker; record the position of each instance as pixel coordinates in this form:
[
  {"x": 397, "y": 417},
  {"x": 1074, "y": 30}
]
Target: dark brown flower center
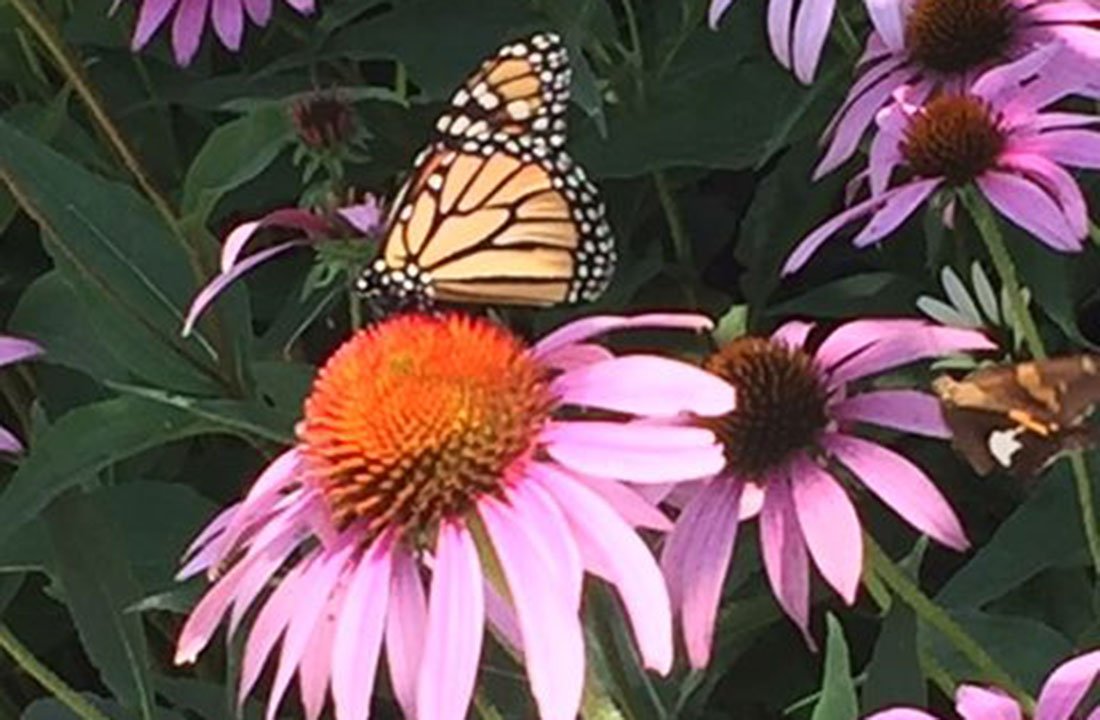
[
  {"x": 780, "y": 404},
  {"x": 412, "y": 420},
  {"x": 952, "y": 36},
  {"x": 955, "y": 137}
]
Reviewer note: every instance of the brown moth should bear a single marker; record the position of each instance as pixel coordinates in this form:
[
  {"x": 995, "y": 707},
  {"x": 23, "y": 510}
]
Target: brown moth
[{"x": 1021, "y": 417}]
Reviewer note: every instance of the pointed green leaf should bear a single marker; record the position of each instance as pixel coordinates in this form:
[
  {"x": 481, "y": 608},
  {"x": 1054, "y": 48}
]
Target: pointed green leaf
[{"x": 838, "y": 693}]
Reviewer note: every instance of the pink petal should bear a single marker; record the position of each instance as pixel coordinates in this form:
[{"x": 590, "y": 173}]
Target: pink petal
[
  {"x": 1007, "y": 78},
  {"x": 151, "y": 16},
  {"x": 638, "y": 464},
  {"x": 855, "y": 336},
  {"x": 631, "y": 505},
  {"x": 784, "y": 551},
  {"x": 810, "y": 30},
  {"x": 13, "y": 350},
  {"x": 921, "y": 342},
  {"x": 259, "y": 11},
  {"x": 8, "y": 442},
  {"x": 553, "y": 646},
  {"x": 589, "y": 327},
  {"x": 897, "y": 208},
  {"x": 571, "y": 357},
  {"x": 288, "y": 218},
  {"x": 645, "y": 385},
  {"x": 359, "y": 628},
  {"x": 640, "y": 435},
  {"x": 975, "y": 703},
  {"x": 187, "y": 29},
  {"x": 502, "y": 620},
  {"x": 793, "y": 333},
  {"x": 316, "y": 664},
  {"x": 366, "y": 217},
  {"x": 780, "y": 14},
  {"x": 696, "y": 559},
  {"x": 830, "y": 527},
  {"x": 1066, "y": 687},
  {"x": 906, "y": 410},
  {"x": 405, "y": 627},
  {"x": 304, "y": 7},
  {"x": 716, "y": 10},
  {"x": 612, "y": 550},
  {"x": 546, "y": 520},
  {"x": 888, "y": 17},
  {"x": 901, "y": 485},
  {"x": 901, "y": 714},
  {"x": 220, "y": 282},
  {"x": 228, "y": 17},
  {"x": 456, "y": 625},
  {"x": 1031, "y": 207},
  {"x": 1076, "y": 148}
]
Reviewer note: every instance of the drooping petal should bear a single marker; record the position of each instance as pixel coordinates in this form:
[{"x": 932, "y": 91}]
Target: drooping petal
[
  {"x": 902, "y": 486},
  {"x": 976, "y": 703},
  {"x": 13, "y": 350},
  {"x": 304, "y": 7},
  {"x": 359, "y": 627},
  {"x": 696, "y": 559},
  {"x": 228, "y": 18},
  {"x": 366, "y": 217},
  {"x": 1076, "y": 148},
  {"x": 901, "y": 714},
  {"x": 780, "y": 16},
  {"x": 906, "y": 410},
  {"x": 8, "y": 442},
  {"x": 1066, "y": 687},
  {"x": 639, "y": 464},
  {"x": 152, "y": 15},
  {"x": 288, "y": 218},
  {"x": 259, "y": 11},
  {"x": 612, "y": 550},
  {"x": 855, "y": 336},
  {"x": 631, "y": 505},
  {"x": 571, "y": 357},
  {"x": 785, "y": 561},
  {"x": 895, "y": 210},
  {"x": 640, "y": 435},
  {"x": 581, "y": 330},
  {"x": 1031, "y": 207},
  {"x": 919, "y": 343},
  {"x": 315, "y": 669},
  {"x": 829, "y": 525},
  {"x": 553, "y": 646},
  {"x": 793, "y": 333},
  {"x": 645, "y": 385},
  {"x": 716, "y": 10},
  {"x": 544, "y": 516},
  {"x": 187, "y": 29},
  {"x": 405, "y": 626},
  {"x": 811, "y": 28},
  {"x": 888, "y": 17},
  {"x": 220, "y": 282},
  {"x": 456, "y": 625}
]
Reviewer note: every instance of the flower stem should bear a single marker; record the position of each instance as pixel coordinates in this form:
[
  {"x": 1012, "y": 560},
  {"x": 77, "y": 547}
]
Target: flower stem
[
  {"x": 681, "y": 245},
  {"x": 47, "y": 678},
  {"x": 987, "y": 226},
  {"x": 935, "y": 616}
]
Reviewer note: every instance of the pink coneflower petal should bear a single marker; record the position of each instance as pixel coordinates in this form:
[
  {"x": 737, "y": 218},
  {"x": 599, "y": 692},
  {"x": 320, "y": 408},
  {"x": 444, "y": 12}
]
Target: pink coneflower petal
[
  {"x": 1026, "y": 204},
  {"x": 271, "y": 622},
  {"x": 975, "y": 703},
  {"x": 302, "y": 6},
  {"x": 571, "y": 357},
  {"x": 220, "y": 282},
  {"x": 793, "y": 333},
  {"x": 152, "y": 15},
  {"x": 901, "y": 714},
  {"x": 631, "y": 506},
  {"x": 645, "y": 385},
  {"x": 695, "y": 560},
  {"x": 546, "y": 519},
  {"x": 502, "y": 620},
  {"x": 288, "y": 218},
  {"x": 265, "y": 559},
  {"x": 612, "y": 550},
  {"x": 366, "y": 217},
  {"x": 259, "y": 11},
  {"x": 902, "y": 486},
  {"x": 896, "y": 210},
  {"x": 589, "y": 327},
  {"x": 13, "y": 350},
  {"x": 855, "y": 336},
  {"x": 906, "y": 410},
  {"x": 1058, "y": 183},
  {"x": 785, "y": 560},
  {"x": 830, "y": 527},
  {"x": 780, "y": 21},
  {"x": 716, "y": 10},
  {"x": 1076, "y": 148},
  {"x": 1066, "y": 687},
  {"x": 640, "y": 465},
  {"x": 187, "y": 29},
  {"x": 8, "y": 442},
  {"x": 919, "y": 343},
  {"x": 550, "y": 628},
  {"x": 627, "y": 435},
  {"x": 318, "y": 585},
  {"x": 811, "y": 29},
  {"x": 228, "y": 18},
  {"x": 1008, "y": 77},
  {"x": 888, "y": 17},
  {"x": 406, "y": 625},
  {"x": 359, "y": 631},
  {"x": 456, "y": 622},
  {"x": 316, "y": 666}
]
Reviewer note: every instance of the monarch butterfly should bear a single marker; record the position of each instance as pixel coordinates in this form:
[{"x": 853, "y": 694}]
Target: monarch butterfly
[{"x": 495, "y": 211}]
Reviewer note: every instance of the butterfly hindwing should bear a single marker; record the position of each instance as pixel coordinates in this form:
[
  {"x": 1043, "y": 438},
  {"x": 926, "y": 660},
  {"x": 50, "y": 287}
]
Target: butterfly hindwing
[{"x": 495, "y": 211}]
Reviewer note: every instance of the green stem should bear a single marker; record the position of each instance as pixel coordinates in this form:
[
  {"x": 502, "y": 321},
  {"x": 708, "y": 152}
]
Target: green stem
[
  {"x": 681, "y": 245},
  {"x": 57, "y": 687},
  {"x": 597, "y": 703},
  {"x": 986, "y": 222},
  {"x": 935, "y": 616}
]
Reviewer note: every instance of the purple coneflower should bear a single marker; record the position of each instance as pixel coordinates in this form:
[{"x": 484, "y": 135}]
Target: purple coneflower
[
  {"x": 362, "y": 219},
  {"x": 13, "y": 350},
  {"x": 433, "y": 445},
  {"x": 227, "y": 17},
  {"x": 1059, "y": 699},
  {"x": 794, "y": 424},
  {"x": 996, "y": 136},
  {"x": 942, "y": 45}
]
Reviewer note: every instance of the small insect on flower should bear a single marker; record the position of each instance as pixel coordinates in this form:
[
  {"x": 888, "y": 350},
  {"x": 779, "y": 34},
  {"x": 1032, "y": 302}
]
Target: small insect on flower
[{"x": 440, "y": 445}]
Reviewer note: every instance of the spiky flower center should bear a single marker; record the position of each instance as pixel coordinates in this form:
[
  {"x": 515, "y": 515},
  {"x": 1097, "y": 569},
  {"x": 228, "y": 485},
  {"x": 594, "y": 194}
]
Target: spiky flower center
[
  {"x": 952, "y": 36},
  {"x": 323, "y": 120},
  {"x": 955, "y": 137},
  {"x": 780, "y": 404},
  {"x": 410, "y": 421}
]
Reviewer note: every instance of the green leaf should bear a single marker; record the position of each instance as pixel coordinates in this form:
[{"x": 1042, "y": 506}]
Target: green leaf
[
  {"x": 232, "y": 155},
  {"x": 838, "y": 693},
  {"x": 97, "y": 584},
  {"x": 847, "y": 296},
  {"x": 894, "y": 674},
  {"x": 131, "y": 277},
  {"x": 84, "y": 441},
  {"x": 1012, "y": 556}
]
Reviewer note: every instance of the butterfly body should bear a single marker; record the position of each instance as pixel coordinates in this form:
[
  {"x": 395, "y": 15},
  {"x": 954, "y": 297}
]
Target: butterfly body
[
  {"x": 1022, "y": 417},
  {"x": 496, "y": 211}
]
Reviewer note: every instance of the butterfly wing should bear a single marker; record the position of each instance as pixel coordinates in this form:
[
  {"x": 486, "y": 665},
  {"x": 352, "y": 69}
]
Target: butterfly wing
[{"x": 495, "y": 210}]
